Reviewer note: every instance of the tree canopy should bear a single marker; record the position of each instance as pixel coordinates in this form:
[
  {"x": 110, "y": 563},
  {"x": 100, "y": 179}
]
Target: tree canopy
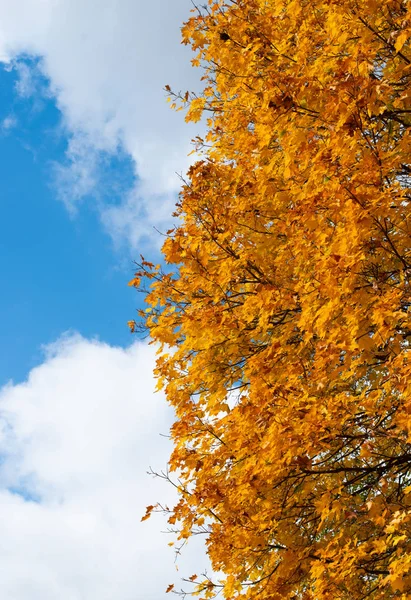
[{"x": 283, "y": 317}]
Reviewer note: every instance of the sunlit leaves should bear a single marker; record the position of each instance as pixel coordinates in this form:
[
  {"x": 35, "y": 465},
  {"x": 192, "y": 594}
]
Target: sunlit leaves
[{"x": 284, "y": 321}]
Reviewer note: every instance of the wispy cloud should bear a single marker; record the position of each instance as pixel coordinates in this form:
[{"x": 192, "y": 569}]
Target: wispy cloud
[
  {"x": 8, "y": 123},
  {"x": 78, "y": 176}
]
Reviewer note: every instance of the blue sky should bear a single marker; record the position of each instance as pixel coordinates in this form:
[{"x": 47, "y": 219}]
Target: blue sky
[
  {"x": 89, "y": 155},
  {"x": 60, "y": 273}
]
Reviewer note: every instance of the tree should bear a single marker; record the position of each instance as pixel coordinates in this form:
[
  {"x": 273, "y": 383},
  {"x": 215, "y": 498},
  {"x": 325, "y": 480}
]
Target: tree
[{"x": 284, "y": 320}]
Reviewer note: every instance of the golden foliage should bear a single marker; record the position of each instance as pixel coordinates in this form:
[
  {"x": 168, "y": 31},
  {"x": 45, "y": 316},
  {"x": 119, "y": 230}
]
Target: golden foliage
[{"x": 285, "y": 323}]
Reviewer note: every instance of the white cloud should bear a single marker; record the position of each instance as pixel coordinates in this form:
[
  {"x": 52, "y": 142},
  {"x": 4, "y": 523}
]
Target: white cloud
[
  {"x": 107, "y": 63},
  {"x": 137, "y": 216},
  {"x": 76, "y": 440}
]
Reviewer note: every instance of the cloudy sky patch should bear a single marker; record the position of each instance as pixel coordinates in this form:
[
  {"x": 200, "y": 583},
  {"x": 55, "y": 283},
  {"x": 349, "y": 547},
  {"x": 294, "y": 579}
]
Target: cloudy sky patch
[{"x": 90, "y": 155}]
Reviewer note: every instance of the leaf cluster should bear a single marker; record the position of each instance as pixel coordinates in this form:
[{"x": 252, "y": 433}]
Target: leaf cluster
[{"x": 284, "y": 319}]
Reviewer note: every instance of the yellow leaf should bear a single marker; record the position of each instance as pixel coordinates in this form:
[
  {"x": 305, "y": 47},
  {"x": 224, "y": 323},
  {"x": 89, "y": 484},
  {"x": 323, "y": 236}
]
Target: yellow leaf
[{"x": 401, "y": 39}]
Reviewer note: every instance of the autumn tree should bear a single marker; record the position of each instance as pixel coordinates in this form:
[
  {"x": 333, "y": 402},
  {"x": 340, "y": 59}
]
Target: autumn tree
[{"x": 283, "y": 314}]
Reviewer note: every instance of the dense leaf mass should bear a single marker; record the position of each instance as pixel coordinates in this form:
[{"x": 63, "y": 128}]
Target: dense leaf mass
[{"x": 284, "y": 323}]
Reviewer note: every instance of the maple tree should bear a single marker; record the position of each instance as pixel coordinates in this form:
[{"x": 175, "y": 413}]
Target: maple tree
[{"x": 284, "y": 318}]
